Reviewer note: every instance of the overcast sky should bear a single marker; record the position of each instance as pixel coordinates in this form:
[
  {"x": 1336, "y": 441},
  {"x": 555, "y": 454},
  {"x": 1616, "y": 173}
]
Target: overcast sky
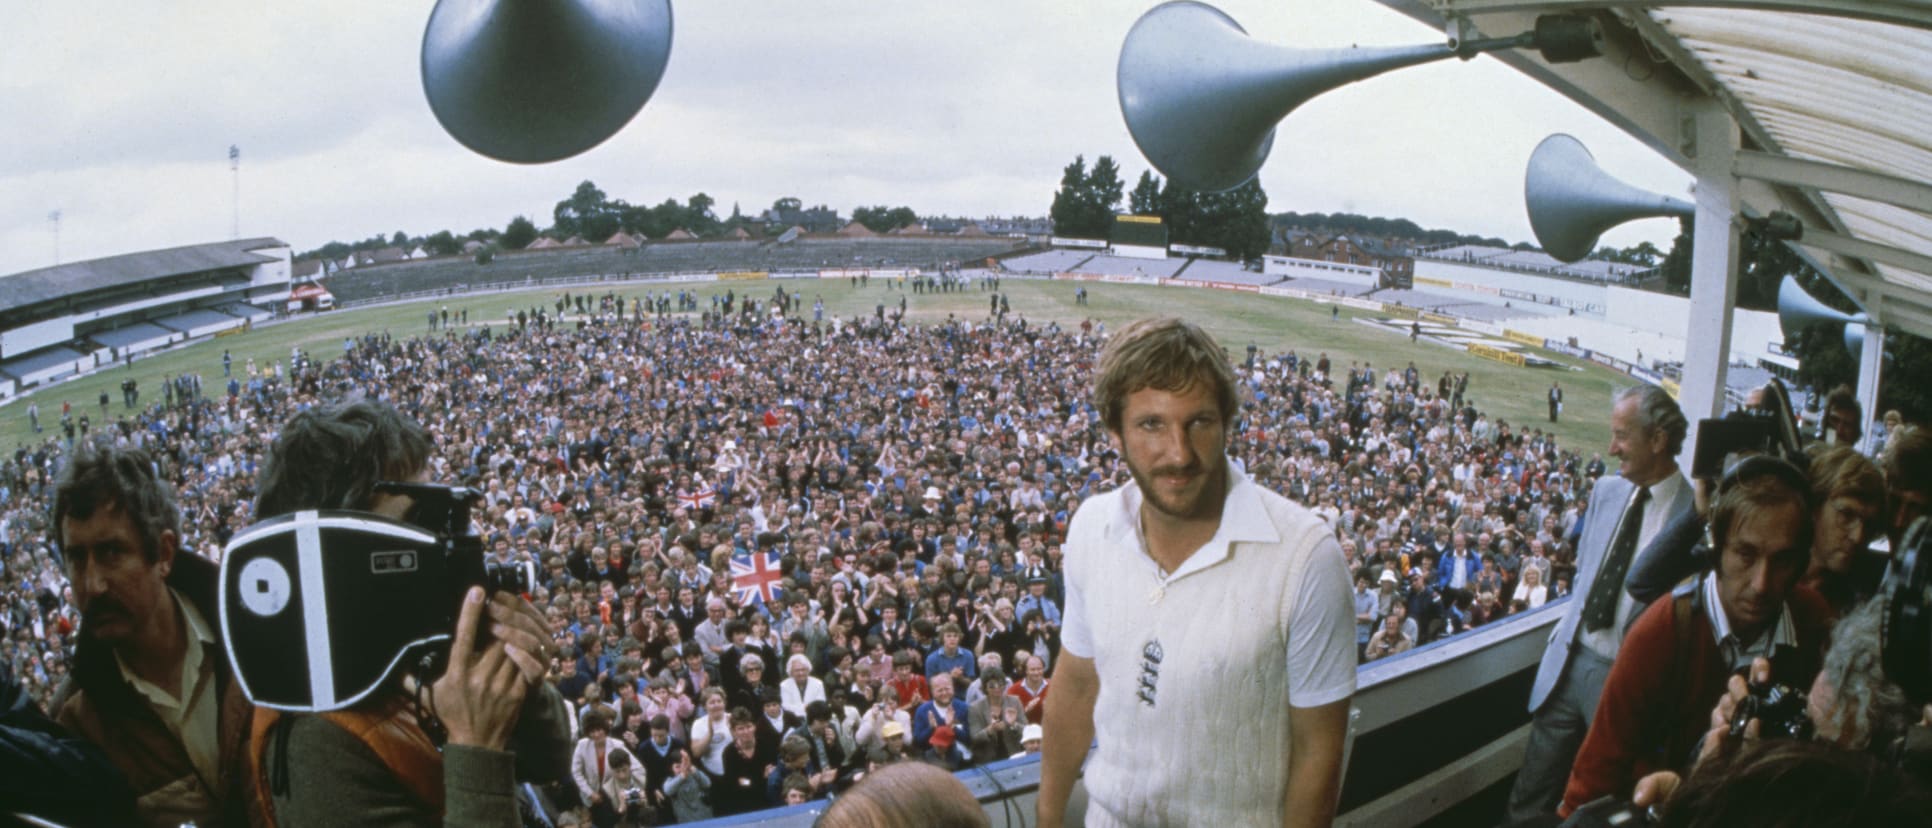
[{"x": 120, "y": 115}]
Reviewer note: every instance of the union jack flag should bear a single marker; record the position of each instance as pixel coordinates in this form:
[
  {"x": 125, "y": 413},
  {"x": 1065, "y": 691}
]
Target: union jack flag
[
  {"x": 755, "y": 577},
  {"x": 701, "y": 499}
]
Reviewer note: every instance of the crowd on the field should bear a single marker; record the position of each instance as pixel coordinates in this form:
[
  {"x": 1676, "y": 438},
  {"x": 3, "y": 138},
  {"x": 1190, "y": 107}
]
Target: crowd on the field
[{"x": 901, "y": 491}]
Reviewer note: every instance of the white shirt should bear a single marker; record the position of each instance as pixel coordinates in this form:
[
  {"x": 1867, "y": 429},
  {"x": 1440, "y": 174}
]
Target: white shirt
[
  {"x": 190, "y": 710},
  {"x": 1661, "y": 505}
]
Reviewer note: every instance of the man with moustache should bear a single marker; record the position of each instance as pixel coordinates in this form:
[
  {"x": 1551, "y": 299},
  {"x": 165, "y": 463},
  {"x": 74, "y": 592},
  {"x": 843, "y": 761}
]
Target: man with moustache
[
  {"x": 1196, "y": 602},
  {"x": 150, "y": 685}
]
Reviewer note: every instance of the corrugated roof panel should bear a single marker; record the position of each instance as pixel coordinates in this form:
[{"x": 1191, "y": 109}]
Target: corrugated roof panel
[{"x": 1849, "y": 92}]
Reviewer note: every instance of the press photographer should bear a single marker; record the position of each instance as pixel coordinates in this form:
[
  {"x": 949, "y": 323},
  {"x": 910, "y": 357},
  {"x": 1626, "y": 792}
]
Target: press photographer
[
  {"x": 1847, "y": 492},
  {"x": 1678, "y": 654},
  {"x": 1865, "y": 761},
  {"x": 421, "y": 749}
]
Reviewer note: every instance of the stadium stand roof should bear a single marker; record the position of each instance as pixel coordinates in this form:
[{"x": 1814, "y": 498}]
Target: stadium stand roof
[
  {"x": 1829, "y": 100},
  {"x": 195, "y": 319},
  {"x": 34, "y": 286},
  {"x": 126, "y": 335},
  {"x": 39, "y": 361}
]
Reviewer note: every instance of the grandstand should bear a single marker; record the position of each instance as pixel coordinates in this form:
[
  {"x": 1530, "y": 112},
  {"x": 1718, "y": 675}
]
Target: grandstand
[
  {"x": 538, "y": 267},
  {"x": 68, "y": 319},
  {"x": 1536, "y": 261},
  {"x": 1209, "y": 270},
  {"x": 1047, "y": 262}
]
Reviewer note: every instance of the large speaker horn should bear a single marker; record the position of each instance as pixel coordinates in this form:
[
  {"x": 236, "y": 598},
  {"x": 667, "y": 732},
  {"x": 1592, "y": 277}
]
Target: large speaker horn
[
  {"x": 1571, "y": 201},
  {"x": 1201, "y": 98},
  {"x": 1798, "y": 309},
  {"x": 530, "y": 82}
]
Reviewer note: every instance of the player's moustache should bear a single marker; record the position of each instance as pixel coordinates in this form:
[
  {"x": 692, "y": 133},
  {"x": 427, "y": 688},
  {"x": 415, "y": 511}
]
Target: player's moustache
[{"x": 101, "y": 609}]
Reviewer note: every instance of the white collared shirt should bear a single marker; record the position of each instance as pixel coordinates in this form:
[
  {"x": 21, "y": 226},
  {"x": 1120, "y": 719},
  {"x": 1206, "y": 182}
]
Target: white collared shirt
[
  {"x": 1656, "y": 512},
  {"x": 1738, "y": 653},
  {"x": 191, "y": 710}
]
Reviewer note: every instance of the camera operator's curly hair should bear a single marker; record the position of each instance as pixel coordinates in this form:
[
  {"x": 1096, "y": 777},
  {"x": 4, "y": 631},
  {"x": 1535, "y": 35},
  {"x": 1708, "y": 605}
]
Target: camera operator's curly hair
[
  {"x": 1867, "y": 706},
  {"x": 332, "y": 457}
]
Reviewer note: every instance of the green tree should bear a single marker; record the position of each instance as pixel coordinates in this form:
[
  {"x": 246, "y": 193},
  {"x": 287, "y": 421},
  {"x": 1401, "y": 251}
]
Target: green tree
[
  {"x": 519, "y": 234},
  {"x": 400, "y": 239},
  {"x": 571, "y": 213},
  {"x": 1235, "y": 221},
  {"x": 1823, "y": 361},
  {"x": 1085, "y": 203},
  {"x": 698, "y": 217},
  {"x": 1676, "y": 269},
  {"x": 443, "y": 243},
  {"x": 1145, "y": 200},
  {"x": 882, "y": 219}
]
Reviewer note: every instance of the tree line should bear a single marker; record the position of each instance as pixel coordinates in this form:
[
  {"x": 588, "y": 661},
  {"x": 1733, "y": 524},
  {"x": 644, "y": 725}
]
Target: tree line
[
  {"x": 1088, "y": 200},
  {"x": 591, "y": 213}
]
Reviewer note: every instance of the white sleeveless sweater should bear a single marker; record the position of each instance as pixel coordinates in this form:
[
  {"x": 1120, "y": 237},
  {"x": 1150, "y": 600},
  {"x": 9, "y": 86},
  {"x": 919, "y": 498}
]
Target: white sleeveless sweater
[{"x": 1207, "y": 743}]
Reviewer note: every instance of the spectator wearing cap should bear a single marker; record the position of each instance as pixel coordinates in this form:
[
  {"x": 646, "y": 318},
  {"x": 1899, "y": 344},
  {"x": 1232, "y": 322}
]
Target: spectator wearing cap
[
  {"x": 891, "y": 748},
  {"x": 940, "y": 727},
  {"x": 886, "y": 710},
  {"x": 1036, "y": 599},
  {"x": 1030, "y": 739},
  {"x": 1364, "y": 613}
]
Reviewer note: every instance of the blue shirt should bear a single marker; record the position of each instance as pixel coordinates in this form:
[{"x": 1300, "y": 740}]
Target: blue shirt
[{"x": 939, "y": 662}]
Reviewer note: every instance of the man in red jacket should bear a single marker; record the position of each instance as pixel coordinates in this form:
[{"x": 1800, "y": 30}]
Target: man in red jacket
[{"x": 1679, "y": 653}]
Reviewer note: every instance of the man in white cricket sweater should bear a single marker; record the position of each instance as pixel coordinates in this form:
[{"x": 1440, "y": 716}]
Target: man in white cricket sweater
[{"x": 1209, "y": 635}]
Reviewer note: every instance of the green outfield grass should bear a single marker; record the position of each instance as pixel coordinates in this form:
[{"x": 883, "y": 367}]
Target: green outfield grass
[{"x": 1236, "y": 319}]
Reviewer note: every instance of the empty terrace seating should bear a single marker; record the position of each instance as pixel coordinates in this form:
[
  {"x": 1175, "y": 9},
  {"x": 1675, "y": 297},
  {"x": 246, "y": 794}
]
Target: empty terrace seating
[
  {"x": 703, "y": 256},
  {"x": 1204, "y": 270},
  {"x": 1124, "y": 266},
  {"x": 1047, "y": 261}
]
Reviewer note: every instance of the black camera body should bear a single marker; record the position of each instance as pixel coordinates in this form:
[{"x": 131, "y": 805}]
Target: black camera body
[
  {"x": 320, "y": 608},
  {"x": 1779, "y": 709},
  {"x": 1907, "y": 631},
  {"x": 1769, "y": 428}
]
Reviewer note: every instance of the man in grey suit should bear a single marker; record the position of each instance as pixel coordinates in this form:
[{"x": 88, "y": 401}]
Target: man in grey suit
[{"x": 1626, "y": 511}]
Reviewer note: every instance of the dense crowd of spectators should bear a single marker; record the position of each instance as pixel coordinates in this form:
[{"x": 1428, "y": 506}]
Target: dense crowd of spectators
[{"x": 911, "y": 483}]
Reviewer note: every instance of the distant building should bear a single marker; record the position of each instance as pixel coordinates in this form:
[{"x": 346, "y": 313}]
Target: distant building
[
  {"x": 62, "y": 320},
  {"x": 814, "y": 220}
]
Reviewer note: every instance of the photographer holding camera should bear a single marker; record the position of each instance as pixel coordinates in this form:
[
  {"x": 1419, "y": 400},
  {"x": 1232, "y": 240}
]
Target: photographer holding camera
[
  {"x": 1677, "y": 655},
  {"x": 1742, "y": 772},
  {"x": 380, "y": 761}
]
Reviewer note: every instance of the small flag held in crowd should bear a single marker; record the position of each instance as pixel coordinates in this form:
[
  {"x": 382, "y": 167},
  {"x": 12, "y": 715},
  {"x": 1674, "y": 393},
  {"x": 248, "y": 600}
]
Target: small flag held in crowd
[
  {"x": 755, "y": 577},
  {"x": 701, "y": 499}
]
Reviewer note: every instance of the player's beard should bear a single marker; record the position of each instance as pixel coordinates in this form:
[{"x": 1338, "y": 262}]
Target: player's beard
[{"x": 1199, "y": 498}]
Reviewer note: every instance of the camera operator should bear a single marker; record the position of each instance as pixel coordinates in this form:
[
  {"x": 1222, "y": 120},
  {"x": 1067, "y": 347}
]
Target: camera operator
[
  {"x": 1851, "y": 703},
  {"x": 1678, "y": 653},
  {"x": 1847, "y": 493},
  {"x": 375, "y": 763}
]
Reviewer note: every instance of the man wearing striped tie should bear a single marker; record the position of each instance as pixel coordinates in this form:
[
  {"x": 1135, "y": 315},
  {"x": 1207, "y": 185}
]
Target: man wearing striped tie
[{"x": 1646, "y": 433}]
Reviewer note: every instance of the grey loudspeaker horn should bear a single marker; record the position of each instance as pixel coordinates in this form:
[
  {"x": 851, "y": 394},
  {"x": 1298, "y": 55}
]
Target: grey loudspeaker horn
[
  {"x": 1798, "y": 309},
  {"x": 1571, "y": 201},
  {"x": 532, "y": 81},
  {"x": 1202, "y": 98}
]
